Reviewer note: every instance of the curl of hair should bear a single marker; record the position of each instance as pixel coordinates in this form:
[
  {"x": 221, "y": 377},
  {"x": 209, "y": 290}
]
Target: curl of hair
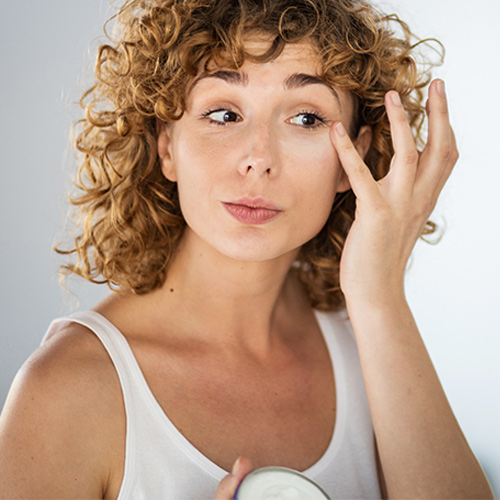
[{"x": 130, "y": 219}]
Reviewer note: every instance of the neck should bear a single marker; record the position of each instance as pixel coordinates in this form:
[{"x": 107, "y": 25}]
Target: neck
[{"x": 232, "y": 300}]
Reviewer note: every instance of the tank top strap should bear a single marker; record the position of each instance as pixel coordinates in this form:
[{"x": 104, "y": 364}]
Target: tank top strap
[
  {"x": 112, "y": 339},
  {"x": 128, "y": 371},
  {"x": 161, "y": 463}
]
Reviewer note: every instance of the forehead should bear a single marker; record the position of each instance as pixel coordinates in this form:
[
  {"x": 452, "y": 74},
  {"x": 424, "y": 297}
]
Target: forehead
[
  {"x": 294, "y": 59},
  {"x": 297, "y": 66},
  {"x": 302, "y": 54}
]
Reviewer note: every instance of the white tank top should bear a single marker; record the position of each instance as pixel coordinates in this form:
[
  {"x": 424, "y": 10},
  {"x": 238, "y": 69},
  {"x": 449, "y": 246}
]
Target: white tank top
[{"x": 160, "y": 463}]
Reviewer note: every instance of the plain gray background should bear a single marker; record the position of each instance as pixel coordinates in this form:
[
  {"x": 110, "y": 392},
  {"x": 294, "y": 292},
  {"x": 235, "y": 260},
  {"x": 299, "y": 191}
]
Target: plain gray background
[{"x": 453, "y": 287}]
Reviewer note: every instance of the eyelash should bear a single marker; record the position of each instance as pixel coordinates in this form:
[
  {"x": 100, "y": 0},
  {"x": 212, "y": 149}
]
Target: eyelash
[
  {"x": 207, "y": 114},
  {"x": 321, "y": 119}
]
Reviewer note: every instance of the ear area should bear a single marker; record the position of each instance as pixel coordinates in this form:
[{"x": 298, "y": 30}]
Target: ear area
[
  {"x": 364, "y": 140},
  {"x": 163, "y": 130},
  {"x": 362, "y": 144}
]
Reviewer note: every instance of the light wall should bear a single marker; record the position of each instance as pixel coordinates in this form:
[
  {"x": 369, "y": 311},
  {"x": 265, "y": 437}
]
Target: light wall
[{"x": 453, "y": 287}]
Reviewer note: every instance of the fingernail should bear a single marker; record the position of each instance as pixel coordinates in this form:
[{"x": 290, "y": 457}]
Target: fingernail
[
  {"x": 396, "y": 100},
  {"x": 441, "y": 88},
  {"x": 236, "y": 465},
  {"x": 340, "y": 129}
]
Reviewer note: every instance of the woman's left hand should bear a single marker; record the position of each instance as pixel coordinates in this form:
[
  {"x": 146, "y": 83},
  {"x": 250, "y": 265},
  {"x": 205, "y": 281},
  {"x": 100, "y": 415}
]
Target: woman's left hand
[{"x": 391, "y": 213}]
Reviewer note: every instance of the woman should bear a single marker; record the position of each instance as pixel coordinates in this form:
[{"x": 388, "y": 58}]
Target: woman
[{"x": 236, "y": 194}]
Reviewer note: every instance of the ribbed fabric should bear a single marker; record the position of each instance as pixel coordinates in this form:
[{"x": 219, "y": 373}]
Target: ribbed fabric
[{"x": 160, "y": 463}]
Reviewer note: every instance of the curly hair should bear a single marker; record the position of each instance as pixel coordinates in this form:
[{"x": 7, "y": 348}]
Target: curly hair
[{"x": 130, "y": 220}]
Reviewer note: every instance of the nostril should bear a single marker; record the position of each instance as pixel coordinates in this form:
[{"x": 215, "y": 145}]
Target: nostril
[{"x": 249, "y": 168}]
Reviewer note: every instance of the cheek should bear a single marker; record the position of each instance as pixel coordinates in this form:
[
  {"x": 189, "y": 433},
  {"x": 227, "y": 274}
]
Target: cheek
[
  {"x": 318, "y": 162},
  {"x": 311, "y": 148},
  {"x": 201, "y": 165},
  {"x": 316, "y": 168},
  {"x": 193, "y": 162},
  {"x": 200, "y": 157}
]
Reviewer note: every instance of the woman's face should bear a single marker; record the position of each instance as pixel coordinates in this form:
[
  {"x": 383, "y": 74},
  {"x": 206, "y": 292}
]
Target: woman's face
[{"x": 256, "y": 171}]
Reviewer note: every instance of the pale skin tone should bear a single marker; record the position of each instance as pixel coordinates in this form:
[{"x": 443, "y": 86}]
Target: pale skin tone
[{"x": 231, "y": 311}]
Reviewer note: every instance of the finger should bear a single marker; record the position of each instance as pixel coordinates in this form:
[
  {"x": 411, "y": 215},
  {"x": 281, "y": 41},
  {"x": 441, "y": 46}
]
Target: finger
[
  {"x": 440, "y": 141},
  {"x": 440, "y": 153},
  {"x": 359, "y": 175},
  {"x": 228, "y": 486},
  {"x": 406, "y": 157},
  {"x": 448, "y": 168},
  {"x": 241, "y": 468}
]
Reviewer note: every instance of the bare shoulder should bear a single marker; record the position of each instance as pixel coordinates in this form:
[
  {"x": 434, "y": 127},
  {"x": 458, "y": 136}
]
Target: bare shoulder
[{"x": 63, "y": 416}]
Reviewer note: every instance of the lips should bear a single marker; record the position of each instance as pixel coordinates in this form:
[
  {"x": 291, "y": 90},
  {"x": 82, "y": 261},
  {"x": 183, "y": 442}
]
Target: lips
[{"x": 252, "y": 210}]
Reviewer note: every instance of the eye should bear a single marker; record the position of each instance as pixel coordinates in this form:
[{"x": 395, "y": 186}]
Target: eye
[
  {"x": 222, "y": 116},
  {"x": 308, "y": 120}
]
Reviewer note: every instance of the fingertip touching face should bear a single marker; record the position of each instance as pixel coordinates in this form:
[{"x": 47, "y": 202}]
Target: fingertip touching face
[{"x": 252, "y": 156}]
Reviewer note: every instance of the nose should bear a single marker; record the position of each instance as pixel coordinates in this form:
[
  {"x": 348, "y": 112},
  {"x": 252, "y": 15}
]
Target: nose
[{"x": 260, "y": 154}]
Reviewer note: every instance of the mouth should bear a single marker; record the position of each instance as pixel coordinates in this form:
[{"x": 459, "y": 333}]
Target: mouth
[{"x": 252, "y": 210}]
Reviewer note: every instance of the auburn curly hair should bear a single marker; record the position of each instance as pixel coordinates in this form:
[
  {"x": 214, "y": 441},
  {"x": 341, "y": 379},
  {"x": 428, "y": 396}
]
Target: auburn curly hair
[{"x": 130, "y": 219}]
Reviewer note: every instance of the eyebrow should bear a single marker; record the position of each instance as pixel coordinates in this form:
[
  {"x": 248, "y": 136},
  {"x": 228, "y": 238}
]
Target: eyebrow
[
  {"x": 233, "y": 77},
  {"x": 298, "y": 80},
  {"x": 294, "y": 81}
]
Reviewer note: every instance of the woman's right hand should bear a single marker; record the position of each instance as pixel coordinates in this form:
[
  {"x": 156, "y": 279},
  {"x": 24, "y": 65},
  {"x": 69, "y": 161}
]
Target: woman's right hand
[{"x": 228, "y": 486}]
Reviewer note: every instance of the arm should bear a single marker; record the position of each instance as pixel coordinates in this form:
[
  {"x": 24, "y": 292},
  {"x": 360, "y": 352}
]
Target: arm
[
  {"x": 53, "y": 440},
  {"x": 422, "y": 450}
]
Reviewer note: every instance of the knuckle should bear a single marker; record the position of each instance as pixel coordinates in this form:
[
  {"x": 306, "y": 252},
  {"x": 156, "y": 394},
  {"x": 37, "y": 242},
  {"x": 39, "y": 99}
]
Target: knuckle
[
  {"x": 444, "y": 152},
  {"x": 438, "y": 104},
  {"x": 442, "y": 108},
  {"x": 382, "y": 210},
  {"x": 401, "y": 118},
  {"x": 348, "y": 146},
  {"x": 400, "y": 114},
  {"x": 226, "y": 489},
  {"x": 409, "y": 157},
  {"x": 424, "y": 208},
  {"x": 361, "y": 169}
]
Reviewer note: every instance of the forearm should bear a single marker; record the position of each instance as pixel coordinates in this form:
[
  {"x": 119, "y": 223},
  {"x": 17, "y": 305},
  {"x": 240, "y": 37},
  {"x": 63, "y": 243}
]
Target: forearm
[{"x": 422, "y": 449}]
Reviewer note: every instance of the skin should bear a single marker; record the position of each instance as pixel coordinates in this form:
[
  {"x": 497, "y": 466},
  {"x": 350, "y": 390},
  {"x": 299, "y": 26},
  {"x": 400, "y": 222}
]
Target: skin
[
  {"x": 422, "y": 450},
  {"x": 231, "y": 311},
  {"x": 263, "y": 151}
]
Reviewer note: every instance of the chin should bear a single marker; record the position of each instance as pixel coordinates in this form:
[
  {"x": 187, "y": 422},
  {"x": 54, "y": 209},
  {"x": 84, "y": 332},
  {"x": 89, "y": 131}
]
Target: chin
[
  {"x": 249, "y": 244},
  {"x": 249, "y": 254},
  {"x": 243, "y": 250}
]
